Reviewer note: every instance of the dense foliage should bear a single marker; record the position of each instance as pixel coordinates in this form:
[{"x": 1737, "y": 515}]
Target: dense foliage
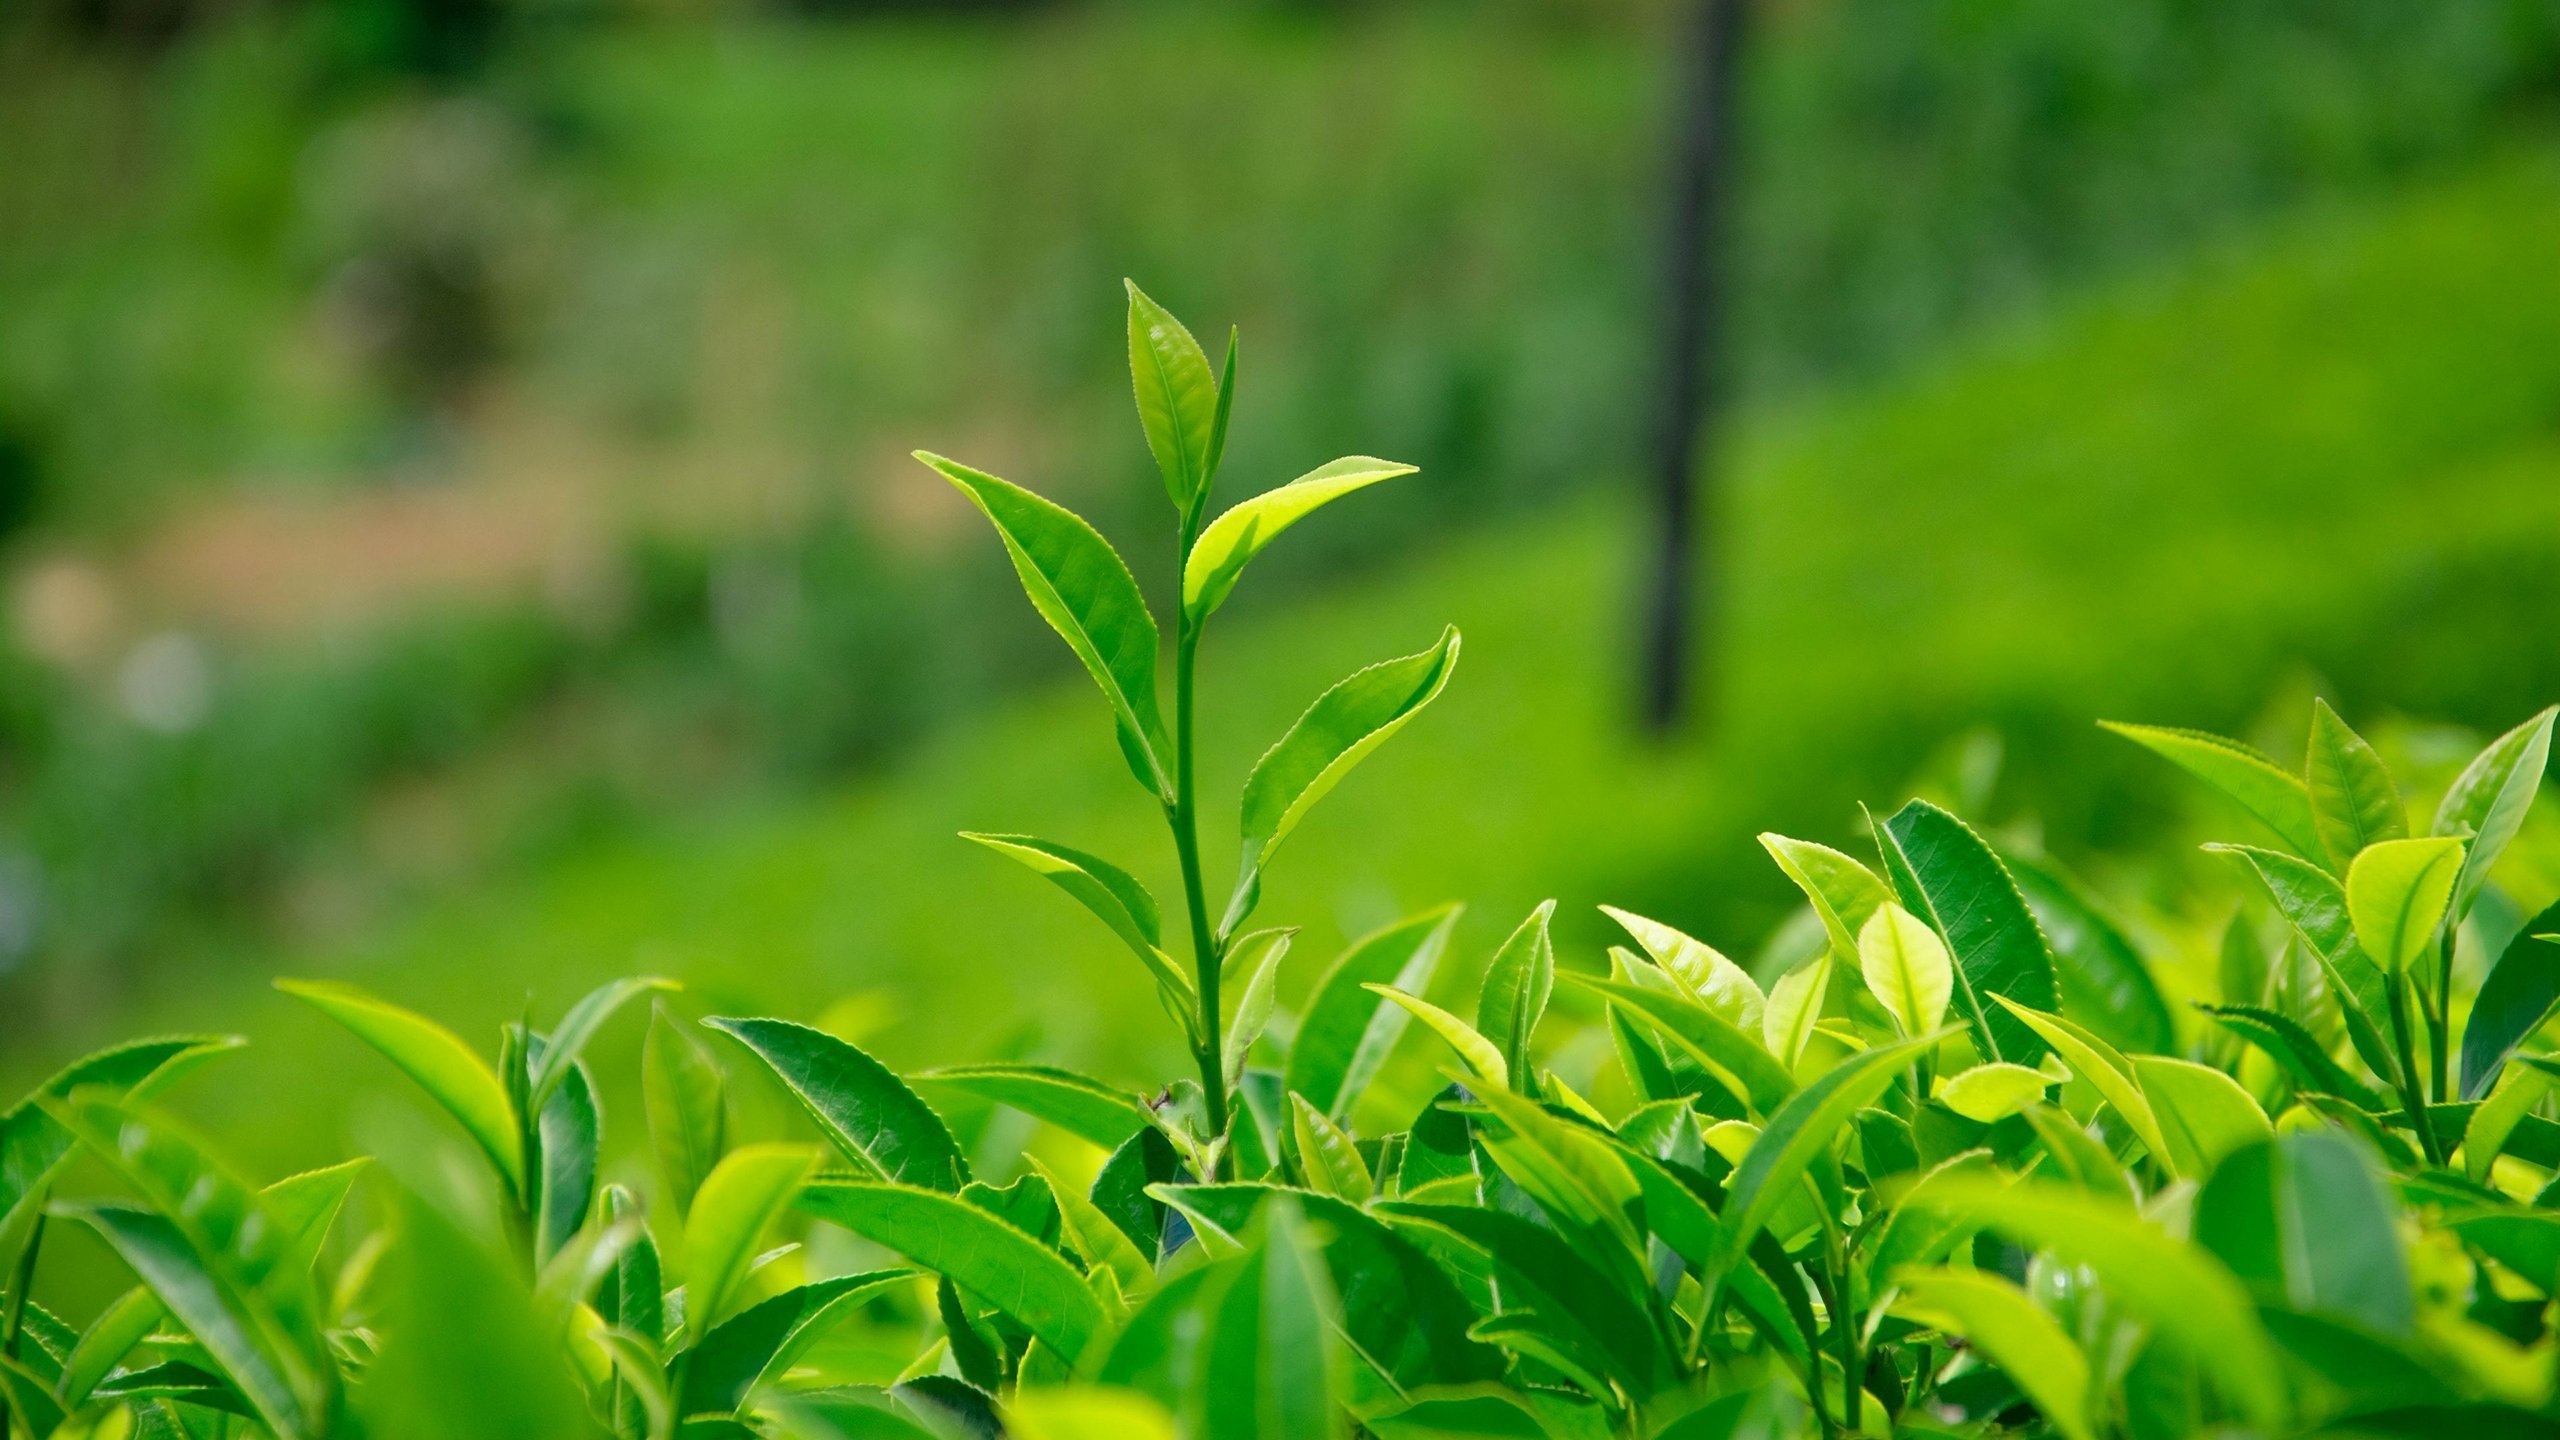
[{"x": 1959, "y": 1168}]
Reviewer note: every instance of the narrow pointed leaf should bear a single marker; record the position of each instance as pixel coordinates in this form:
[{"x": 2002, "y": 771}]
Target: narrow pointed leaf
[
  {"x": 1842, "y": 892},
  {"x": 1077, "y": 1104},
  {"x": 1516, "y": 987},
  {"x": 2303, "y": 1056},
  {"x": 568, "y": 1040},
  {"x": 2265, "y": 789},
  {"x": 752, "y": 1349},
  {"x": 685, "y": 1097},
  {"x": 1482, "y": 1056},
  {"x": 1179, "y": 405},
  {"x": 1113, "y": 895},
  {"x": 1079, "y": 585},
  {"x": 862, "y": 1106},
  {"x": 1703, "y": 1034},
  {"x": 994, "y": 1261},
  {"x": 2105, "y": 1068},
  {"x": 1699, "y": 968},
  {"x": 2517, "y": 997},
  {"x": 2353, "y": 800},
  {"x": 1232, "y": 540},
  {"x": 1997, "y": 1318},
  {"x": 738, "y": 1202},
  {"x": 451, "y": 1073},
  {"x": 1346, "y": 722},
  {"x": 2488, "y": 800},
  {"x": 2315, "y": 905},
  {"x": 1795, "y": 1003}
]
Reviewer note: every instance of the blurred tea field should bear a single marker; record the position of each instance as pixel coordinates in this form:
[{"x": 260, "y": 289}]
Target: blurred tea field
[{"x": 462, "y": 540}]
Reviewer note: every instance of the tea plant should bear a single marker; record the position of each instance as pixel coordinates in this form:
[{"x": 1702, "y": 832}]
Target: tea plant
[{"x": 1959, "y": 1167}]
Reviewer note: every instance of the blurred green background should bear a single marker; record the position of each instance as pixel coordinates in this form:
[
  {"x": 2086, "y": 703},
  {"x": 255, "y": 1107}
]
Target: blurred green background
[{"x": 458, "y": 535}]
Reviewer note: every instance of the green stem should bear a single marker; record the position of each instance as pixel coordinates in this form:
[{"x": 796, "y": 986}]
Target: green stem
[
  {"x": 19, "y": 1284},
  {"x": 1844, "y": 1326},
  {"x": 1183, "y": 815},
  {"x": 1813, "y": 1363},
  {"x": 2410, "y": 1095},
  {"x": 2440, "y": 1020}
]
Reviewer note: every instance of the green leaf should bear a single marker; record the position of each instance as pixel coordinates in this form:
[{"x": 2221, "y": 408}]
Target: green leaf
[
  {"x": 2488, "y": 800},
  {"x": 737, "y": 1203},
  {"x": 2104, "y": 1067},
  {"x": 2315, "y": 905},
  {"x": 1179, "y": 405},
  {"x": 2353, "y": 801},
  {"x": 864, "y": 1109},
  {"x": 2187, "y": 1297},
  {"x": 1797, "y": 1135},
  {"x": 2204, "y": 1113},
  {"x": 1079, "y": 585},
  {"x": 1271, "y": 1365},
  {"x": 568, "y": 1040},
  {"x": 1947, "y": 876},
  {"x": 1078, "y": 1104},
  {"x": 1514, "y": 998},
  {"x": 2495, "y": 1119},
  {"x": 2397, "y": 893},
  {"x": 1702, "y": 1033},
  {"x": 24, "y": 1396},
  {"x": 1483, "y": 1058},
  {"x": 1842, "y": 892},
  {"x": 1998, "y": 1319},
  {"x": 287, "y": 1394},
  {"x": 1346, "y": 1032},
  {"x": 1347, "y": 722},
  {"x": 307, "y": 1205},
  {"x": 2519, "y": 994},
  {"x": 752, "y": 1349},
  {"x": 2280, "y": 800},
  {"x": 34, "y": 1145},
  {"x": 1795, "y": 1003},
  {"x": 686, "y": 1100},
  {"x": 1994, "y": 1090},
  {"x": 2303, "y": 1056},
  {"x": 2103, "y": 978},
  {"x": 1234, "y": 538},
  {"x": 1259, "y": 956},
  {"x": 1330, "y": 1160},
  {"x": 997, "y": 1263},
  {"x": 1907, "y": 967},
  {"x": 1700, "y": 970},
  {"x": 1115, "y": 897},
  {"x": 1539, "y": 1271},
  {"x": 447, "y": 1069},
  {"x": 1086, "y": 1412},
  {"x": 2304, "y": 1220},
  {"x": 570, "y": 1133},
  {"x": 108, "y": 1340}
]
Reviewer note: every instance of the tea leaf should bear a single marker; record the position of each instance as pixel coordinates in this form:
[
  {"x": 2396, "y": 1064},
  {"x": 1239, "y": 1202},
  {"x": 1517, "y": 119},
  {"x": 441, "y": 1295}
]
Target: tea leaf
[
  {"x": 1113, "y": 895},
  {"x": 2303, "y": 1219},
  {"x": 1231, "y": 541},
  {"x": 1997, "y": 1318},
  {"x": 1337, "y": 732},
  {"x": 1704, "y": 1034},
  {"x": 1263, "y": 951},
  {"x": 1514, "y": 998},
  {"x": 2315, "y": 905},
  {"x": 685, "y": 1097},
  {"x": 869, "y": 1114},
  {"x": 448, "y": 1070},
  {"x": 990, "y": 1259},
  {"x": 2302, "y": 1056},
  {"x": 1270, "y": 1363},
  {"x": 1483, "y": 1057},
  {"x": 570, "y": 1130},
  {"x": 739, "y": 1200},
  {"x": 752, "y": 1349},
  {"x": 1078, "y": 1104},
  {"x": 2488, "y": 800},
  {"x": 2204, "y": 1113},
  {"x": 569, "y": 1038},
  {"x": 1842, "y": 892},
  {"x": 1907, "y": 967},
  {"x": 1947, "y": 876},
  {"x": 2352, "y": 798},
  {"x": 1699, "y": 968},
  {"x": 2102, "y": 978},
  {"x": 2517, "y": 997},
  {"x": 1795, "y": 1003},
  {"x": 2280, "y": 800},
  {"x": 1179, "y": 405},
  {"x": 1347, "y": 1030},
  {"x": 2107, "y": 1071},
  {"x": 108, "y": 1340},
  {"x": 1992, "y": 1091},
  {"x": 1331, "y": 1162},
  {"x": 1079, "y": 585},
  {"x": 2397, "y": 894}
]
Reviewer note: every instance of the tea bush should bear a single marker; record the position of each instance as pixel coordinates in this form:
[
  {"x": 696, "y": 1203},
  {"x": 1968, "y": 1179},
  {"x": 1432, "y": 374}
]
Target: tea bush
[{"x": 1963, "y": 1168}]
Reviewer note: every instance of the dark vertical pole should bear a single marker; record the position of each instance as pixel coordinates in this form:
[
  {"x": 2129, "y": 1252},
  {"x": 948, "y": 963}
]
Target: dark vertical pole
[{"x": 1678, "y": 604}]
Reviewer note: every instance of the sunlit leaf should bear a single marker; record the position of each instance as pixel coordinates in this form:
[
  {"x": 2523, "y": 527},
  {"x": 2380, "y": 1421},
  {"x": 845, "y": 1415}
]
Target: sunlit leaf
[
  {"x": 1232, "y": 540},
  {"x": 1483, "y": 1058},
  {"x": 1079, "y": 585},
  {"x": 1700, "y": 969},
  {"x": 993, "y": 1261},
  {"x": 1947, "y": 876},
  {"x": 2488, "y": 800},
  {"x": 2397, "y": 894},
  {"x": 2265, "y": 789},
  {"x": 1907, "y": 968},
  {"x": 1347, "y": 1030},
  {"x": 753, "y": 1348},
  {"x": 2353, "y": 801},
  {"x": 1994, "y": 1090},
  {"x": 740, "y": 1199},
  {"x": 1842, "y": 892},
  {"x": 1795, "y": 1003},
  {"x": 2519, "y": 994},
  {"x": 451, "y": 1073},
  {"x": 1077, "y": 1104},
  {"x": 1703, "y": 1034},
  {"x": 1516, "y": 987},
  {"x": 2204, "y": 1113},
  {"x": 1997, "y": 1318},
  {"x": 1178, "y": 400},
  {"x": 1113, "y": 895},
  {"x": 2314, "y": 903},
  {"x": 869, "y": 1114}
]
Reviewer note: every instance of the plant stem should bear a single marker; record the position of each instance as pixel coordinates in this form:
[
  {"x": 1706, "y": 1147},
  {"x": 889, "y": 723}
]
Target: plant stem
[
  {"x": 19, "y": 1284},
  {"x": 2440, "y": 1019},
  {"x": 1184, "y": 817},
  {"x": 1844, "y": 1326},
  {"x": 2410, "y": 1095}
]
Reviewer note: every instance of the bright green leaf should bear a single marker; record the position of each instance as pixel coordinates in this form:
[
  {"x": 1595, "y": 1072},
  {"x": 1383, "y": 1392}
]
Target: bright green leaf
[
  {"x": 2204, "y": 1113},
  {"x": 1347, "y": 1030},
  {"x": 2280, "y": 800},
  {"x": 1234, "y": 538},
  {"x": 1077, "y": 1104},
  {"x": 1907, "y": 967},
  {"x": 863, "y": 1108},
  {"x": 737, "y": 1203},
  {"x": 1994, "y": 1090},
  {"x": 2353, "y": 800},
  {"x": 1516, "y": 987},
  {"x": 1179, "y": 404},
  {"x": 448, "y": 1070},
  {"x": 2488, "y": 800},
  {"x": 1998, "y": 1319},
  {"x": 2397, "y": 894},
  {"x": 992, "y": 1260}
]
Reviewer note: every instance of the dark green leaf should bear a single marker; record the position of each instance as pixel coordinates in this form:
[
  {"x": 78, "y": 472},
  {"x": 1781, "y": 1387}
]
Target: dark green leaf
[
  {"x": 995, "y": 1262},
  {"x": 1705, "y": 1035},
  {"x": 754, "y": 1347},
  {"x": 2302, "y": 1056},
  {"x": 2488, "y": 800},
  {"x": 2521, "y": 989},
  {"x": 1077, "y": 1104},
  {"x": 2315, "y": 905},
  {"x": 864, "y": 1109},
  {"x": 1541, "y": 1272},
  {"x": 2304, "y": 1221},
  {"x": 1120, "y": 1188},
  {"x": 2104, "y": 981},
  {"x": 1947, "y": 876},
  {"x": 570, "y": 1132}
]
